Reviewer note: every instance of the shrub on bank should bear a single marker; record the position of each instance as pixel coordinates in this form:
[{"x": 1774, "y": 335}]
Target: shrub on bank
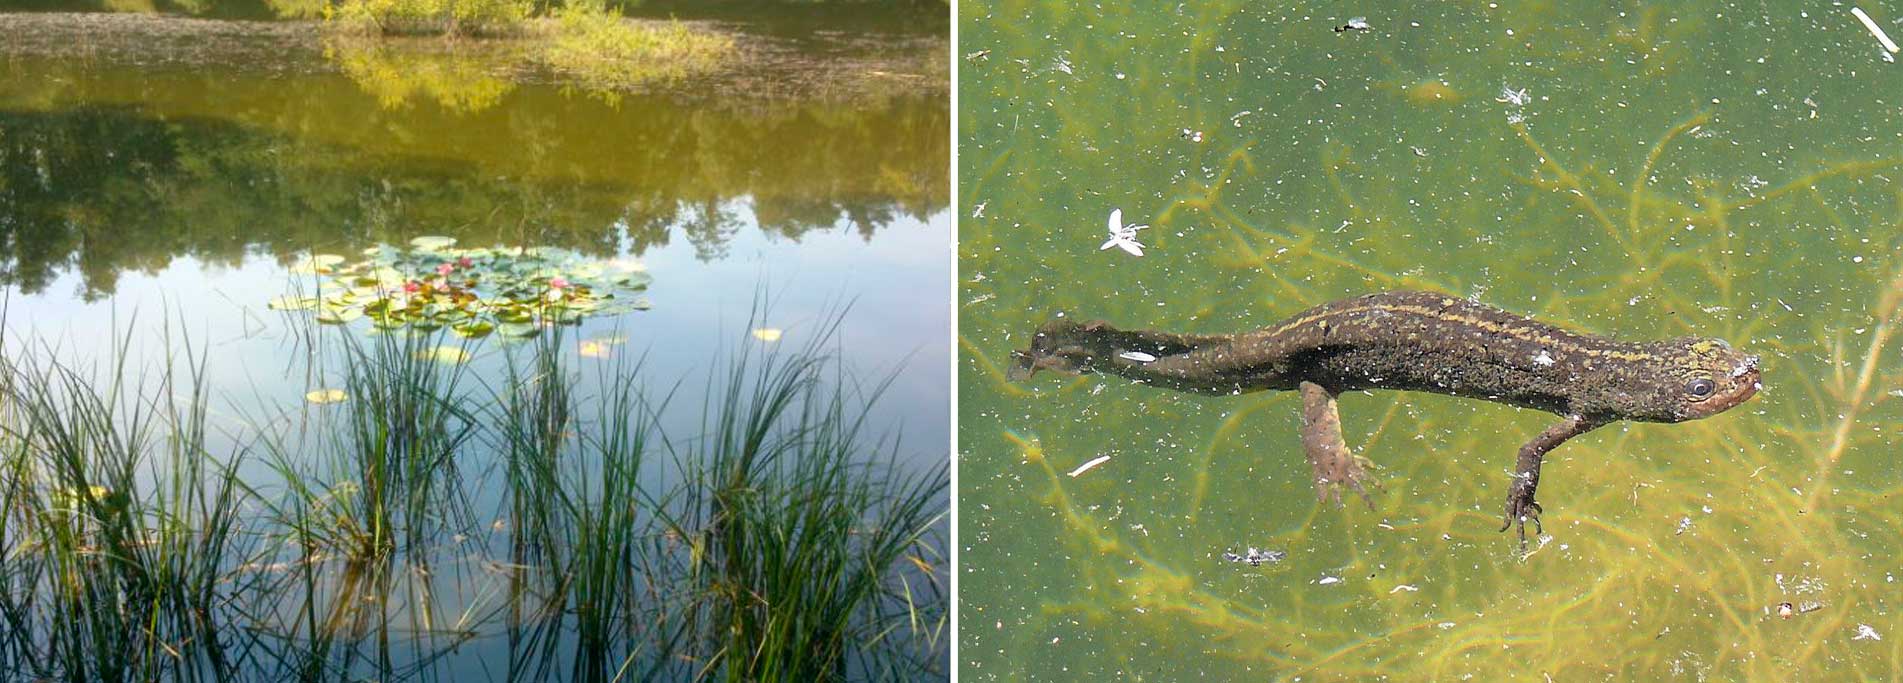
[{"x": 447, "y": 17}]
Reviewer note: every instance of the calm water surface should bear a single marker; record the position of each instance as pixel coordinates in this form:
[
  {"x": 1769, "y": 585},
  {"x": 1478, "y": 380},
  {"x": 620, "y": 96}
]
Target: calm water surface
[{"x": 1651, "y": 171}]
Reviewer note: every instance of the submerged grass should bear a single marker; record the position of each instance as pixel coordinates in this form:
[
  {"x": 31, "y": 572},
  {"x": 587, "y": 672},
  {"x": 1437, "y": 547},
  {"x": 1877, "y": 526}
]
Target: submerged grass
[{"x": 367, "y": 540}]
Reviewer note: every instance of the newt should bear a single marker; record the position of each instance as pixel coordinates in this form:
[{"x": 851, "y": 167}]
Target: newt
[{"x": 1418, "y": 341}]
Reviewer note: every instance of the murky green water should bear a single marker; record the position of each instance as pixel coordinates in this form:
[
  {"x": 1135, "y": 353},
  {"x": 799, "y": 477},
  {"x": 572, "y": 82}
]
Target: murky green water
[
  {"x": 1649, "y": 171},
  {"x": 156, "y": 192}
]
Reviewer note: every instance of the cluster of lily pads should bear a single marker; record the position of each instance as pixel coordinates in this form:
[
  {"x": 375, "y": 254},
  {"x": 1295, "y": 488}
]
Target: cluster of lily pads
[{"x": 432, "y": 284}]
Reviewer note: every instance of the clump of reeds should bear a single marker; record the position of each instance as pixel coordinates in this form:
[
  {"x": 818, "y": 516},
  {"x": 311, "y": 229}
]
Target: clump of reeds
[
  {"x": 800, "y": 539},
  {"x": 779, "y": 544},
  {"x": 369, "y": 491},
  {"x": 120, "y": 529}
]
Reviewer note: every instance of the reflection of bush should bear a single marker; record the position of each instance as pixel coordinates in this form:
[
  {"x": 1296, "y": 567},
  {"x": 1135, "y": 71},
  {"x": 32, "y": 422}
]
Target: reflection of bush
[
  {"x": 101, "y": 191},
  {"x": 595, "y": 48},
  {"x": 459, "y": 81},
  {"x": 450, "y": 17}
]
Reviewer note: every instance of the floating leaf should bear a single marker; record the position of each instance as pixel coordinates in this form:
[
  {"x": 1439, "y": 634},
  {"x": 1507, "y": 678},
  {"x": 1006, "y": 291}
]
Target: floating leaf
[
  {"x": 433, "y": 242},
  {"x": 518, "y": 330},
  {"x": 290, "y": 302},
  {"x": 635, "y": 281},
  {"x": 448, "y": 355},
  {"x": 317, "y": 263},
  {"x": 595, "y": 349},
  {"x": 338, "y": 316},
  {"x": 768, "y": 334},
  {"x": 474, "y": 330},
  {"x": 326, "y": 396}
]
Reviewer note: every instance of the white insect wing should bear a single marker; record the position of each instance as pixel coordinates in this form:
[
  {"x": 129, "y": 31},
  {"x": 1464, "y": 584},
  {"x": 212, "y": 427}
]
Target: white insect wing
[
  {"x": 1122, "y": 236},
  {"x": 1137, "y": 356}
]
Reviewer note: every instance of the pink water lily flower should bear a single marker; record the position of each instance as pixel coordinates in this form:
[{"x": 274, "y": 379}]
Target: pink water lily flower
[
  {"x": 464, "y": 262},
  {"x": 444, "y": 269},
  {"x": 412, "y": 287},
  {"x": 558, "y": 282}
]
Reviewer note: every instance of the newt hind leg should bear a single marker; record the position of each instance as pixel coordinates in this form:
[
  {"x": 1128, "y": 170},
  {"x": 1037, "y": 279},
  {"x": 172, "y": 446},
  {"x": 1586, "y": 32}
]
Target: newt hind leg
[{"x": 1335, "y": 467}]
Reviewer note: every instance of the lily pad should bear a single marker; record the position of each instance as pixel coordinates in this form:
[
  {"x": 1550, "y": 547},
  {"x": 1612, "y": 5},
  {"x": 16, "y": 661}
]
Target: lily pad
[
  {"x": 448, "y": 355},
  {"x": 595, "y": 349},
  {"x": 338, "y": 316},
  {"x": 518, "y": 330},
  {"x": 322, "y": 264},
  {"x": 326, "y": 396},
  {"x": 474, "y": 330},
  {"x": 432, "y": 284},
  {"x": 291, "y": 302},
  {"x": 635, "y": 280}
]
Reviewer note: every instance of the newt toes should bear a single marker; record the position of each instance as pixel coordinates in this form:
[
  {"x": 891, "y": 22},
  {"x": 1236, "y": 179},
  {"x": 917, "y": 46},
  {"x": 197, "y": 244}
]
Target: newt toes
[{"x": 1419, "y": 341}]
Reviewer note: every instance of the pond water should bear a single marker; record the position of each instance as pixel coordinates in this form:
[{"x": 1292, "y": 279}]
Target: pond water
[
  {"x": 1644, "y": 172},
  {"x": 164, "y": 191}
]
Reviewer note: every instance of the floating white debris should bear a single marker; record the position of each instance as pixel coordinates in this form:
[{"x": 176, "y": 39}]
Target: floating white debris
[
  {"x": 1544, "y": 359},
  {"x": 1517, "y": 98},
  {"x": 1875, "y": 30},
  {"x": 1137, "y": 356},
  {"x": 1086, "y": 467},
  {"x": 1255, "y": 556},
  {"x": 1326, "y": 580},
  {"x": 1123, "y": 236},
  {"x": 1411, "y": 588},
  {"x": 1865, "y": 632}
]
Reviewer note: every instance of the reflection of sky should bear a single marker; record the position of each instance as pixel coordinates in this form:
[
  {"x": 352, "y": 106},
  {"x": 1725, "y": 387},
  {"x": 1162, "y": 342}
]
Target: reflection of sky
[{"x": 898, "y": 286}]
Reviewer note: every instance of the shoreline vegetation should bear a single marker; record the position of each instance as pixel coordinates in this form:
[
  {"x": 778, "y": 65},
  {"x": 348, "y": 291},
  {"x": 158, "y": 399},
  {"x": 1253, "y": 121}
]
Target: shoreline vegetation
[
  {"x": 586, "y": 40},
  {"x": 426, "y": 519}
]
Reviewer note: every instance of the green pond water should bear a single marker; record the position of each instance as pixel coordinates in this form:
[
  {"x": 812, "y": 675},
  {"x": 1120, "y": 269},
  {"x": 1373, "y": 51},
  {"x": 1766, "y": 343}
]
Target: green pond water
[
  {"x": 158, "y": 190},
  {"x": 1643, "y": 171}
]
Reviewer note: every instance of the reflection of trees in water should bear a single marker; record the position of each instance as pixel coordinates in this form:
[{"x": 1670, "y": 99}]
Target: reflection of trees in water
[{"x": 101, "y": 191}]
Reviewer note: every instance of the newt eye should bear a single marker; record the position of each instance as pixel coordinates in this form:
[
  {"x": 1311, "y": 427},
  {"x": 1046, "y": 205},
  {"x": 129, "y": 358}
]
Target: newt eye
[{"x": 1700, "y": 389}]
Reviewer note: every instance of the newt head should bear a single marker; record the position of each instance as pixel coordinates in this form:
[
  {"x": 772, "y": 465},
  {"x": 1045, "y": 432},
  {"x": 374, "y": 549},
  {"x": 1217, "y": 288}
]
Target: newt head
[{"x": 1708, "y": 377}]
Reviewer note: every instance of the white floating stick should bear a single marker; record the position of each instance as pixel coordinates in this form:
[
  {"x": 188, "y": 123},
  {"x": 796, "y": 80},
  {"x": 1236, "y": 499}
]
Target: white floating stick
[
  {"x": 1099, "y": 460},
  {"x": 1875, "y": 30}
]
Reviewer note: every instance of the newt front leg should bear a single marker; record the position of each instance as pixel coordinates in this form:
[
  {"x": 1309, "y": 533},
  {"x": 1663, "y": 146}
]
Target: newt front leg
[{"x": 1526, "y": 477}]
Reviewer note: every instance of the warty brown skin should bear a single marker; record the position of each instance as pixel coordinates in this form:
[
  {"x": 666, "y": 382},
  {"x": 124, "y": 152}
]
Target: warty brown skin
[{"x": 1420, "y": 341}]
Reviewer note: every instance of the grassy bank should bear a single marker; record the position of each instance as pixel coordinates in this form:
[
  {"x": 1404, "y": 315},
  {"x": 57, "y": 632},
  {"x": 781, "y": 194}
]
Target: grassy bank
[
  {"x": 431, "y": 519},
  {"x": 586, "y": 40}
]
